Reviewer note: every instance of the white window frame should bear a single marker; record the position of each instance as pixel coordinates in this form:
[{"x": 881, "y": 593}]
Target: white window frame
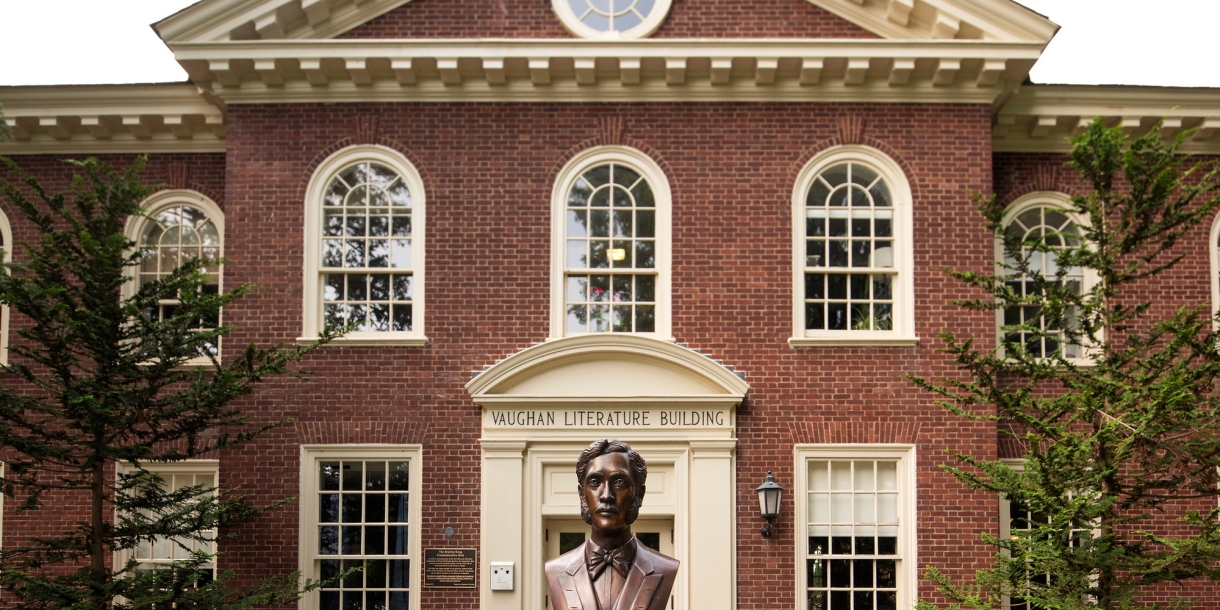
[
  {"x": 903, "y": 332},
  {"x": 1005, "y": 518},
  {"x": 650, "y": 171},
  {"x": 6, "y": 233},
  {"x": 646, "y": 28},
  {"x": 1017, "y": 464},
  {"x": 308, "y": 557},
  {"x": 163, "y": 469},
  {"x": 153, "y": 205},
  {"x": 907, "y": 568},
  {"x": 1213, "y": 248},
  {"x": 311, "y": 318},
  {"x": 1061, "y": 202}
]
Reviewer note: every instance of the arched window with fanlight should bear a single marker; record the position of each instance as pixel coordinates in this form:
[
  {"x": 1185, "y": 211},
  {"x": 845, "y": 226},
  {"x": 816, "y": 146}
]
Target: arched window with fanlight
[
  {"x": 611, "y": 245},
  {"x": 1214, "y": 248},
  {"x": 1042, "y": 217},
  {"x": 611, "y": 19},
  {"x": 852, "y": 250},
  {"x": 6, "y": 245},
  {"x": 179, "y": 225},
  {"x": 364, "y": 248}
]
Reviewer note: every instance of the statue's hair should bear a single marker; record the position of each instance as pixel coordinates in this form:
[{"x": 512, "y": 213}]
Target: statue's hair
[{"x": 639, "y": 474}]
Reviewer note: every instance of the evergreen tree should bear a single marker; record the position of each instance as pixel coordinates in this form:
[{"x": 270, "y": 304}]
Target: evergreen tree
[
  {"x": 1116, "y": 402},
  {"x": 98, "y": 382}
]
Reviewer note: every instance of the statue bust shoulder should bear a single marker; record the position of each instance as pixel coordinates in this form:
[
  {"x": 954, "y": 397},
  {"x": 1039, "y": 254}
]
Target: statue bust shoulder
[
  {"x": 611, "y": 570},
  {"x": 648, "y": 584}
]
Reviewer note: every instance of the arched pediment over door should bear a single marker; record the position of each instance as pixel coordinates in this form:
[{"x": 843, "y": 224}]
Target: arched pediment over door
[
  {"x": 677, "y": 407},
  {"x": 649, "y": 387}
]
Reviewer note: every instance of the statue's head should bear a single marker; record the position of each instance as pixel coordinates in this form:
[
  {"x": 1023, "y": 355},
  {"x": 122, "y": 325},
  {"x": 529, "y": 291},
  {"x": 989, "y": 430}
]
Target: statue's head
[{"x": 610, "y": 480}]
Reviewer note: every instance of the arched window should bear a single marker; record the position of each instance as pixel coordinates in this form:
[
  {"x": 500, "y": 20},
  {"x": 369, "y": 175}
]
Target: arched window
[
  {"x": 1045, "y": 217},
  {"x": 611, "y": 245},
  {"x": 6, "y": 244},
  {"x": 1214, "y": 249},
  {"x": 179, "y": 225},
  {"x": 612, "y": 19},
  {"x": 852, "y": 247},
  {"x": 364, "y": 249}
]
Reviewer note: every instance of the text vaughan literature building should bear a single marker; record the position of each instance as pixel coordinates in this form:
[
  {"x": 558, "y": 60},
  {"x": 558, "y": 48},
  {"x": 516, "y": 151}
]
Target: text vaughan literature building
[{"x": 714, "y": 229}]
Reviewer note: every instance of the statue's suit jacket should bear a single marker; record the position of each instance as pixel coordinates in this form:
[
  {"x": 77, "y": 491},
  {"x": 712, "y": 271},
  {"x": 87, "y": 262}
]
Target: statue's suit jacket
[{"x": 647, "y": 587}]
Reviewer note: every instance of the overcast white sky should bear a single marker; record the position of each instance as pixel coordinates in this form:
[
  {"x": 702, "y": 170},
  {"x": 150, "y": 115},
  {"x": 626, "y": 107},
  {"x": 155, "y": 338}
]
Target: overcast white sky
[{"x": 1130, "y": 42}]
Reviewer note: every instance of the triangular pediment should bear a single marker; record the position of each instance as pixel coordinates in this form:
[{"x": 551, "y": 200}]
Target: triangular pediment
[
  {"x": 225, "y": 20},
  {"x": 992, "y": 20},
  {"x": 233, "y": 20}
]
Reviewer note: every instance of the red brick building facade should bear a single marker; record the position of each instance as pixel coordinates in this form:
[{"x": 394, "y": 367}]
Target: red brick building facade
[{"x": 741, "y": 336}]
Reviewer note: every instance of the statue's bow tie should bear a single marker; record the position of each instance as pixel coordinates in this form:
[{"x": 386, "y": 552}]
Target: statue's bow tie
[{"x": 602, "y": 558}]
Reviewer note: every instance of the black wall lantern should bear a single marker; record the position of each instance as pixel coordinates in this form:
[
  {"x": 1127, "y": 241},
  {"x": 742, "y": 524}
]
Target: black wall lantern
[{"x": 770, "y": 494}]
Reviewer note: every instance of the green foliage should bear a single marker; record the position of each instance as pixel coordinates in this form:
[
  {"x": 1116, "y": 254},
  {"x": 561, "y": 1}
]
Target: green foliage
[
  {"x": 94, "y": 381},
  {"x": 1119, "y": 437}
]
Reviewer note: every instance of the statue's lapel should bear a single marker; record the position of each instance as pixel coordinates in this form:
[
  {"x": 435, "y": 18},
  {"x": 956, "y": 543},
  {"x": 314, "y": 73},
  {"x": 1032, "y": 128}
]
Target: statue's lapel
[
  {"x": 641, "y": 580},
  {"x": 578, "y": 574}
]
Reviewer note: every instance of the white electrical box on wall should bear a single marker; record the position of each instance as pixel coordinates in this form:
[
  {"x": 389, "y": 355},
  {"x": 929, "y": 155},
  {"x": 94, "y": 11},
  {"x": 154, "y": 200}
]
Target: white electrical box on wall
[{"x": 501, "y": 576}]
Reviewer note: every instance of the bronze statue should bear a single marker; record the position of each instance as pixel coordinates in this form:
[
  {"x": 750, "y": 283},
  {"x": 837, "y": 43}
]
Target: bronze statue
[{"x": 611, "y": 570}]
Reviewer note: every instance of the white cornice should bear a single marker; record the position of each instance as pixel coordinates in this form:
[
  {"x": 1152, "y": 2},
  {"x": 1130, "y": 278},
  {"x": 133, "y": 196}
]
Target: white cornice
[
  {"x": 222, "y": 20},
  {"x": 532, "y": 70},
  {"x": 996, "y": 20},
  {"x": 1041, "y": 118},
  {"x": 111, "y": 118}
]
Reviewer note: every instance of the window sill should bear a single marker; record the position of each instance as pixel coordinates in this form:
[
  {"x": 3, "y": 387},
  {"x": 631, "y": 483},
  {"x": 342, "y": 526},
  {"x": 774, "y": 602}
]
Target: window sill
[
  {"x": 800, "y": 342},
  {"x": 368, "y": 341},
  {"x": 197, "y": 363}
]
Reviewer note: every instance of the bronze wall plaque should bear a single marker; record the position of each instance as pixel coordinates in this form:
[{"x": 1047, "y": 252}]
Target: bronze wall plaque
[{"x": 450, "y": 568}]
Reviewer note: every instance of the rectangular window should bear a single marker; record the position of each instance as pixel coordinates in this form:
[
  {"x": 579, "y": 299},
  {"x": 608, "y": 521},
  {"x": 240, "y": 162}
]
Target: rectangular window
[
  {"x": 1017, "y": 520},
  {"x": 1014, "y": 519},
  {"x": 357, "y": 512},
  {"x": 151, "y": 555},
  {"x": 858, "y": 505}
]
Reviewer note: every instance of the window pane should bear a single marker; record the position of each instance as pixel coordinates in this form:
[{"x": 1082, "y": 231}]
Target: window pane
[
  {"x": 843, "y": 567},
  {"x": 364, "y": 497},
  {"x": 610, "y": 224}
]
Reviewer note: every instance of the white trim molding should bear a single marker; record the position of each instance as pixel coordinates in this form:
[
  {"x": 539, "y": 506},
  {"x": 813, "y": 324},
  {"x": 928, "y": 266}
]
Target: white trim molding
[
  {"x": 944, "y": 19},
  {"x": 312, "y": 301},
  {"x": 903, "y": 285},
  {"x": 309, "y": 558},
  {"x": 584, "y": 369},
  {"x": 907, "y": 572},
  {"x": 651, "y": 172},
  {"x": 644, "y": 28},
  {"x": 219, "y": 20},
  {"x": 550, "y": 70},
  {"x": 1041, "y": 118},
  {"x": 111, "y": 119}
]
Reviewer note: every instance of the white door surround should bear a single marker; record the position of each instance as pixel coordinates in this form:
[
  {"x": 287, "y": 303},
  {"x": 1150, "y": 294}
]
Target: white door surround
[{"x": 677, "y": 408}]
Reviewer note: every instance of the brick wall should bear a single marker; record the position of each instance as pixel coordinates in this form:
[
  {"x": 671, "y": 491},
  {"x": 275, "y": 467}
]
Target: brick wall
[
  {"x": 537, "y": 19},
  {"x": 488, "y": 170}
]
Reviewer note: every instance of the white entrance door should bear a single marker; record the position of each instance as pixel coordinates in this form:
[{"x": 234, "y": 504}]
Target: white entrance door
[{"x": 563, "y": 535}]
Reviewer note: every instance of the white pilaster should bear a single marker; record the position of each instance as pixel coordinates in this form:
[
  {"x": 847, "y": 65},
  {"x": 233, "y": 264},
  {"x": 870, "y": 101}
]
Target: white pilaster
[
  {"x": 710, "y": 570},
  {"x": 501, "y": 522}
]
